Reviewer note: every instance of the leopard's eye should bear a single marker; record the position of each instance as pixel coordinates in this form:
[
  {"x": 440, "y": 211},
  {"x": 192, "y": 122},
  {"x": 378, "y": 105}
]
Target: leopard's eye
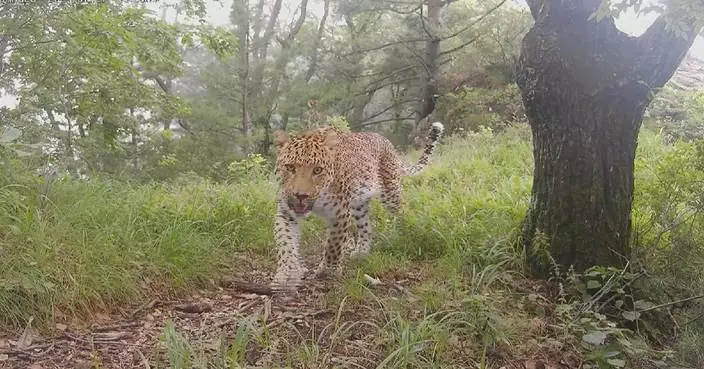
[
  {"x": 317, "y": 170},
  {"x": 290, "y": 168}
]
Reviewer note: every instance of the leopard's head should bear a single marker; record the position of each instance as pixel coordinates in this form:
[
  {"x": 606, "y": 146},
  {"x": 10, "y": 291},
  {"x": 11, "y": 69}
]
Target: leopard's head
[{"x": 304, "y": 166}]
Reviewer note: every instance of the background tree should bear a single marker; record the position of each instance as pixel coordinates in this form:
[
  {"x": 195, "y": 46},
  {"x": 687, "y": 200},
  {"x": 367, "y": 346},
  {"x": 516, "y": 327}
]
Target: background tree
[
  {"x": 586, "y": 85},
  {"x": 173, "y": 98}
]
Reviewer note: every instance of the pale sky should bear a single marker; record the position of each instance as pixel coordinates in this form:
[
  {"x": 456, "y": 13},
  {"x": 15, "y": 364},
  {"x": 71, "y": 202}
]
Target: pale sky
[{"x": 219, "y": 14}]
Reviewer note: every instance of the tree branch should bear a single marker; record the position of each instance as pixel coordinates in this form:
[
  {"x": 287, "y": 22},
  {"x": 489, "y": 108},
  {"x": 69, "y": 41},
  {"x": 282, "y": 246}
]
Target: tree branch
[
  {"x": 157, "y": 79},
  {"x": 469, "y": 42},
  {"x": 33, "y": 44},
  {"x": 380, "y": 112},
  {"x": 535, "y": 7},
  {"x": 476, "y": 21},
  {"x": 299, "y": 22},
  {"x": 661, "y": 52},
  {"x": 262, "y": 47},
  {"x": 408, "y": 117},
  {"x": 382, "y": 46},
  {"x": 379, "y": 87}
]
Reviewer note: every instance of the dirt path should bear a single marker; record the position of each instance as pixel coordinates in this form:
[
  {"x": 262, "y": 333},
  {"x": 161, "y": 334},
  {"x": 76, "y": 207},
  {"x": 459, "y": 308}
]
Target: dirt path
[
  {"x": 304, "y": 331},
  {"x": 206, "y": 321}
]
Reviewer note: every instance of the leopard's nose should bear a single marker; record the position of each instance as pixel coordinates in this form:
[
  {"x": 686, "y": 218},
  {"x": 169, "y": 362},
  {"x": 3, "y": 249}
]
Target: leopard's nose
[{"x": 301, "y": 196}]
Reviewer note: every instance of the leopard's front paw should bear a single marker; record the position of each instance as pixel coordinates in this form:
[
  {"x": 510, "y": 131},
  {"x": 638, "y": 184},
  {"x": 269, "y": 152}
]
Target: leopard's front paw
[
  {"x": 325, "y": 272},
  {"x": 360, "y": 251},
  {"x": 288, "y": 279}
]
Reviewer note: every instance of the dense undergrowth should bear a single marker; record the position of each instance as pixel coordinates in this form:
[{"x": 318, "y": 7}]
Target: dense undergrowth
[{"x": 71, "y": 248}]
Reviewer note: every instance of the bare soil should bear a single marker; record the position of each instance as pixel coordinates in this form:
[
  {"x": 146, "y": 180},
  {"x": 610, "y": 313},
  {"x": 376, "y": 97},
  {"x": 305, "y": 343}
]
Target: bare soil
[{"x": 208, "y": 319}]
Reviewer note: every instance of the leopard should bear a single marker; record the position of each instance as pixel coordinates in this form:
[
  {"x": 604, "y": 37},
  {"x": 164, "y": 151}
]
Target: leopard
[{"x": 335, "y": 174}]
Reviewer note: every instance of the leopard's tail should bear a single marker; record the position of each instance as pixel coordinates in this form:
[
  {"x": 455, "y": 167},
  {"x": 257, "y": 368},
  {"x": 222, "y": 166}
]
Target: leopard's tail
[{"x": 436, "y": 130}]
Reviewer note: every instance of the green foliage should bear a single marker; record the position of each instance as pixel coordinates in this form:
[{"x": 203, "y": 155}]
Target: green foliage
[
  {"x": 678, "y": 113},
  {"x": 472, "y": 108},
  {"x": 152, "y": 115},
  {"x": 130, "y": 238},
  {"x": 339, "y": 122},
  {"x": 254, "y": 167},
  {"x": 681, "y": 15},
  {"x": 459, "y": 222}
]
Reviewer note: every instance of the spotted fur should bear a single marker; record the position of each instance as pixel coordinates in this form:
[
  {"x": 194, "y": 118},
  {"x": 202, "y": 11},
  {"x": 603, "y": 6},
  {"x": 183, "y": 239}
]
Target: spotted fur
[{"x": 335, "y": 175}]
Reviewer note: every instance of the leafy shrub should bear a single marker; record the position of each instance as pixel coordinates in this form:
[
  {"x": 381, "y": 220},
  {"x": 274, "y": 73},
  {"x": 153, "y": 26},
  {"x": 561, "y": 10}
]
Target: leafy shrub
[
  {"x": 678, "y": 114},
  {"x": 472, "y": 108},
  {"x": 254, "y": 167}
]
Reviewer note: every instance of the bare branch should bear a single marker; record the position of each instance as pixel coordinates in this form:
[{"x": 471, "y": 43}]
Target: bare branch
[
  {"x": 389, "y": 108},
  {"x": 392, "y": 43},
  {"x": 367, "y": 124},
  {"x": 379, "y": 87},
  {"x": 469, "y": 42},
  {"x": 261, "y": 48},
  {"x": 476, "y": 21},
  {"x": 390, "y": 9},
  {"x": 299, "y": 22},
  {"x": 32, "y": 45}
]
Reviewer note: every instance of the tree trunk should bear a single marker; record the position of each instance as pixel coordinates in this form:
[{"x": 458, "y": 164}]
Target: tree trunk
[
  {"x": 585, "y": 86},
  {"x": 429, "y": 76},
  {"x": 240, "y": 18},
  {"x": 260, "y": 52},
  {"x": 316, "y": 44},
  {"x": 283, "y": 59},
  {"x": 257, "y": 23}
]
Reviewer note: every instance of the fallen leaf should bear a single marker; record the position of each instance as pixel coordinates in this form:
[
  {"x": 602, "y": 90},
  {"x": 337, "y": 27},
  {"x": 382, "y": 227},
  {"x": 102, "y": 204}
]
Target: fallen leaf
[
  {"x": 61, "y": 327},
  {"x": 596, "y": 338},
  {"x": 4, "y": 357},
  {"x": 617, "y": 363},
  {"x": 371, "y": 280}
]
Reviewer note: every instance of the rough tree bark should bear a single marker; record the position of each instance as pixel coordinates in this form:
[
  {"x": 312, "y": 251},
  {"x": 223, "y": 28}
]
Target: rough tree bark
[{"x": 585, "y": 86}]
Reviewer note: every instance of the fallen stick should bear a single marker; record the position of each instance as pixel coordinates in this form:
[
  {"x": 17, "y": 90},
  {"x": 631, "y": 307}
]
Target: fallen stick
[
  {"x": 251, "y": 287},
  {"x": 113, "y": 327},
  {"x": 147, "y": 306},
  {"x": 194, "y": 308}
]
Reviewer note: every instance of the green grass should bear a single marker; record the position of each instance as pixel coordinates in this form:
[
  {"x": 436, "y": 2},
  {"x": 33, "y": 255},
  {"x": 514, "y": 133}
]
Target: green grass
[
  {"x": 75, "y": 248},
  {"x": 96, "y": 244}
]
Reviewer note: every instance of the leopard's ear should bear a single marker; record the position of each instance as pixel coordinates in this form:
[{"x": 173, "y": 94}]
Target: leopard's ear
[
  {"x": 280, "y": 138},
  {"x": 331, "y": 138}
]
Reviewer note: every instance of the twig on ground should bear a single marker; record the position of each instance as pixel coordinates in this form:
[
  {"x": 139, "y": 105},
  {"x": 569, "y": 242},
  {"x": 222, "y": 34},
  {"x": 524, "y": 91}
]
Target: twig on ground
[
  {"x": 672, "y": 303},
  {"x": 146, "y": 306},
  {"x": 251, "y": 287},
  {"x": 247, "y": 305},
  {"x": 194, "y": 308},
  {"x": 267, "y": 309},
  {"x": 113, "y": 327},
  {"x": 145, "y": 362},
  {"x": 110, "y": 336}
]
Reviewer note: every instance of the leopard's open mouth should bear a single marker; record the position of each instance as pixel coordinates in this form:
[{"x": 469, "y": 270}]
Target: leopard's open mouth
[{"x": 301, "y": 208}]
